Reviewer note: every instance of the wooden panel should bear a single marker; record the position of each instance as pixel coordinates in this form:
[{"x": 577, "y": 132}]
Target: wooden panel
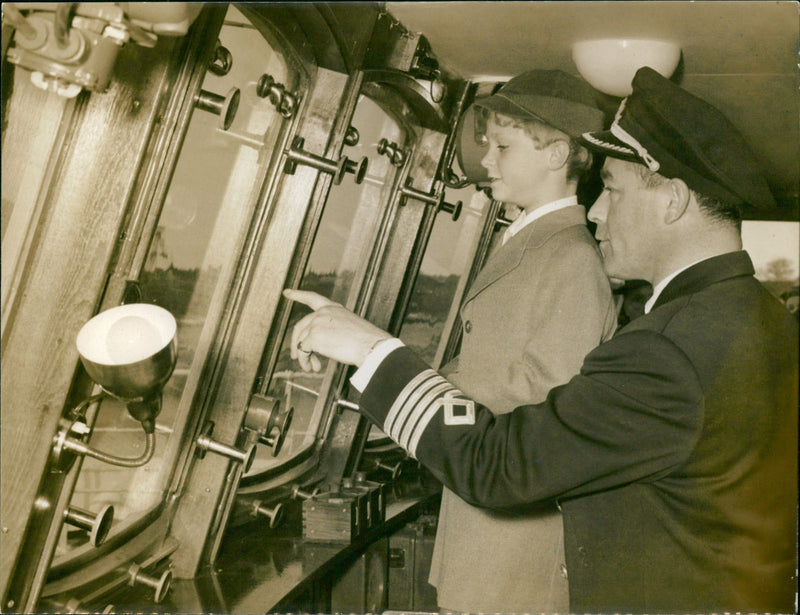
[
  {"x": 65, "y": 275},
  {"x": 29, "y": 141},
  {"x": 206, "y": 486}
]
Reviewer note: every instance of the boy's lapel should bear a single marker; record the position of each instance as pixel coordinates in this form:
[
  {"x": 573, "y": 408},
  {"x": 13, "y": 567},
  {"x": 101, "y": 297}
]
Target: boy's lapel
[{"x": 508, "y": 257}]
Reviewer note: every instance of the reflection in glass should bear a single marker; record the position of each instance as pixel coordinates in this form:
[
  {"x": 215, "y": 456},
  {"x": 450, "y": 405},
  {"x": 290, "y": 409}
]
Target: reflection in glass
[
  {"x": 188, "y": 270},
  {"x": 336, "y": 264},
  {"x": 443, "y": 273},
  {"x": 433, "y": 305}
]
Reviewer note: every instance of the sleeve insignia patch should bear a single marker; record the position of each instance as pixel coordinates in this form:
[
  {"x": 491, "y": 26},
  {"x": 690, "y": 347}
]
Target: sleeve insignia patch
[{"x": 457, "y": 410}]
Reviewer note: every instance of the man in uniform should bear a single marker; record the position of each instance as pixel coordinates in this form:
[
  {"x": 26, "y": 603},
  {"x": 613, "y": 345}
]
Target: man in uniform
[{"x": 673, "y": 454}]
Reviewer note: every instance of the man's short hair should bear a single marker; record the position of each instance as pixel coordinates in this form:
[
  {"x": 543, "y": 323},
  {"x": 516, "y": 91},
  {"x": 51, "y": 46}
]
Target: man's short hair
[
  {"x": 712, "y": 207},
  {"x": 543, "y": 134}
]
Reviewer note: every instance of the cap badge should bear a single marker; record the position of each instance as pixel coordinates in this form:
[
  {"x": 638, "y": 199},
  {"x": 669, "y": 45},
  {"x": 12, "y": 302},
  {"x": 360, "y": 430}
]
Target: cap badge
[{"x": 623, "y": 135}]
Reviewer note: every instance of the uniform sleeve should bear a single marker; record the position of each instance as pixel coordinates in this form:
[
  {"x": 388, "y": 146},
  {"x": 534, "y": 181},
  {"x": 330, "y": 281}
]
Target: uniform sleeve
[{"x": 632, "y": 414}]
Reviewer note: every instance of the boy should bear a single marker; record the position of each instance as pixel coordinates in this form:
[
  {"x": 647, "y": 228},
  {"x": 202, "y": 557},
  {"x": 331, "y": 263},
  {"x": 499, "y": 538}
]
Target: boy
[{"x": 539, "y": 305}]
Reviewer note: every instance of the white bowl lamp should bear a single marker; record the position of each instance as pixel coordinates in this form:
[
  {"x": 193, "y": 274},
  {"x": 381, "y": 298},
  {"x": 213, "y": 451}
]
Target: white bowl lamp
[
  {"x": 610, "y": 64},
  {"x": 130, "y": 351}
]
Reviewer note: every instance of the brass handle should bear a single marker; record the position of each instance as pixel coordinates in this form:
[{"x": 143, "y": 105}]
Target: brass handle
[
  {"x": 430, "y": 198},
  {"x": 299, "y": 494},
  {"x": 264, "y": 416},
  {"x": 338, "y": 168},
  {"x": 206, "y": 443},
  {"x": 395, "y": 470},
  {"x": 275, "y": 514},
  {"x": 455, "y": 210},
  {"x": 160, "y": 584},
  {"x": 97, "y": 525},
  {"x": 349, "y": 405},
  {"x": 223, "y": 106},
  {"x": 501, "y": 222}
]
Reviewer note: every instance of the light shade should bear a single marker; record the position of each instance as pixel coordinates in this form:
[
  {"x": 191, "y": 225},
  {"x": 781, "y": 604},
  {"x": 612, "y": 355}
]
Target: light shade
[
  {"x": 130, "y": 350},
  {"x": 610, "y": 64}
]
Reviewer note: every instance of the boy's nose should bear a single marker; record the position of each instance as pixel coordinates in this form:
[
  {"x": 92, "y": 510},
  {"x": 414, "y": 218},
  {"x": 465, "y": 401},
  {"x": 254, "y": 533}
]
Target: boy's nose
[{"x": 488, "y": 159}]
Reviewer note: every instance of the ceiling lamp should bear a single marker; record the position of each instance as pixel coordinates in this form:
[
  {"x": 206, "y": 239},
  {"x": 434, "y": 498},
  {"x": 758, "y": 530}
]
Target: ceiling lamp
[{"x": 610, "y": 64}]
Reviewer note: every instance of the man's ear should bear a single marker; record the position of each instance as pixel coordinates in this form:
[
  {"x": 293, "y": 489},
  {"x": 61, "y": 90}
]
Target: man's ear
[
  {"x": 559, "y": 154},
  {"x": 679, "y": 198}
]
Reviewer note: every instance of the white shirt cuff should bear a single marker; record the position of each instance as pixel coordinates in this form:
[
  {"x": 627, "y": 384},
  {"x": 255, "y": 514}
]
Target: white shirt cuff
[{"x": 380, "y": 351}]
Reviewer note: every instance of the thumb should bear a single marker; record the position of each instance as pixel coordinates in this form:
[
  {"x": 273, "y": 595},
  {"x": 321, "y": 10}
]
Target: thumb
[{"x": 313, "y": 300}]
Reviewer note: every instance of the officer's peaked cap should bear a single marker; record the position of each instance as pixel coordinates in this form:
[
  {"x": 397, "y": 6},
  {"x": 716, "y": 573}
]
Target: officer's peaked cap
[{"x": 681, "y": 136}]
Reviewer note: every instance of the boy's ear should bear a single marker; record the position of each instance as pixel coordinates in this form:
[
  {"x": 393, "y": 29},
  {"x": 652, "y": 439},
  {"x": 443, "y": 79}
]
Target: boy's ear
[{"x": 559, "y": 154}]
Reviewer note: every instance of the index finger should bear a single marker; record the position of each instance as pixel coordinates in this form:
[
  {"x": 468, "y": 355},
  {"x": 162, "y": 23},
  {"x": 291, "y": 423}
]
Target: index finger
[{"x": 313, "y": 300}]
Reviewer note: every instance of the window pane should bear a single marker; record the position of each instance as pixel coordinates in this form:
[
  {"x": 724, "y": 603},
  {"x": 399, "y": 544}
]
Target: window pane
[
  {"x": 436, "y": 297},
  {"x": 445, "y": 267},
  {"x": 775, "y": 250},
  {"x": 336, "y": 264},
  {"x": 188, "y": 271}
]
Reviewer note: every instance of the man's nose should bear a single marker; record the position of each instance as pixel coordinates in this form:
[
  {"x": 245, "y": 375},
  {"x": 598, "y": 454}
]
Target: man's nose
[{"x": 597, "y": 212}]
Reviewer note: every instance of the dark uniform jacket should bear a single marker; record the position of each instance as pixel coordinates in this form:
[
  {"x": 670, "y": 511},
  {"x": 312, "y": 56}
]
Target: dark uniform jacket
[{"x": 673, "y": 454}]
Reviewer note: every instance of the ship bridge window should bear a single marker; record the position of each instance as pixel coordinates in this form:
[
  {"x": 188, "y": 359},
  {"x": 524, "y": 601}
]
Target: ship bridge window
[
  {"x": 189, "y": 269},
  {"x": 432, "y": 312},
  {"x": 337, "y": 263},
  {"x": 774, "y": 247},
  {"x": 434, "y": 303}
]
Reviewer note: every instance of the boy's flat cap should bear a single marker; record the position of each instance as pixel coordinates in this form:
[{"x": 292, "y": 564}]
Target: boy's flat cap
[{"x": 553, "y": 96}]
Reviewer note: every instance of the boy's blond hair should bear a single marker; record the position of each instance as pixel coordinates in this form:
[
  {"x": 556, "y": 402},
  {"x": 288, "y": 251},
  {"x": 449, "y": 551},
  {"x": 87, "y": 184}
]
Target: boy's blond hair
[{"x": 543, "y": 134}]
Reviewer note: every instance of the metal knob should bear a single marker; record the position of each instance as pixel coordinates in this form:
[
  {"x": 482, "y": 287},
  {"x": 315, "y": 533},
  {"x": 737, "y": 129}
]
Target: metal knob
[
  {"x": 349, "y": 405},
  {"x": 206, "y": 443},
  {"x": 501, "y": 222},
  {"x": 455, "y": 210},
  {"x": 297, "y": 155},
  {"x": 351, "y": 136},
  {"x": 264, "y": 416},
  {"x": 97, "y": 525},
  {"x": 283, "y": 100},
  {"x": 223, "y": 106},
  {"x": 393, "y": 152},
  {"x": 431, "y": 198},
  {"x": 160, "y": 584},
  {"x": 222, "y": 62},
  {"x": 395, "y": 470},
  {"x": 299, "y": 494},
  {"x": 275, "y": 514}
]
